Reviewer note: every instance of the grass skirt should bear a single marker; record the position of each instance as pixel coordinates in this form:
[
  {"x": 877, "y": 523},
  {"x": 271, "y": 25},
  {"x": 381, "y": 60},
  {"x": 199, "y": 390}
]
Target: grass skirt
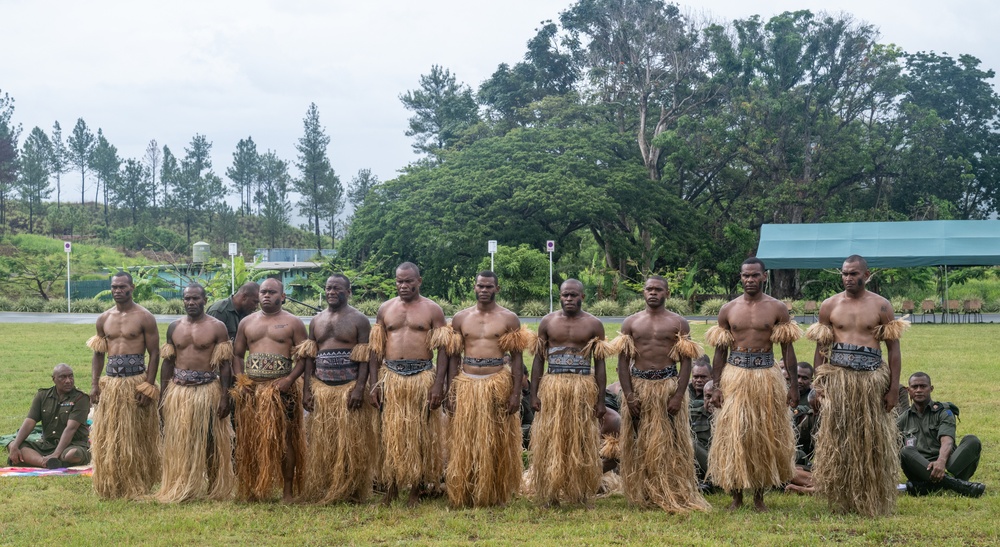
[
  {"x": 857, "y": 447},
  {"x": 657, "y": 463},
  {"x": 565, "y": 463},
  {"x": 265, "y": 418},
  {"x": 125, "y": 440},
  {"x": 197, "y": 445},
  {"x": 753, "y": 442},
  {"x": 484, "y": 465},
  {"x": 343, "y": 446},
  {"x": 412, "y": 437}
]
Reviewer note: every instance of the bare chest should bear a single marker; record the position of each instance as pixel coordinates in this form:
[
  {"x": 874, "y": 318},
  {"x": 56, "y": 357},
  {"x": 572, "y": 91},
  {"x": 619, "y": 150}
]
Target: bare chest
[{"x": 123, "y": 327}]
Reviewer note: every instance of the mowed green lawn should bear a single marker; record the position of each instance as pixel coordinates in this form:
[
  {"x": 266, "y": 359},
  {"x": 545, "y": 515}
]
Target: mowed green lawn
[{"x": 961, "y": 360}]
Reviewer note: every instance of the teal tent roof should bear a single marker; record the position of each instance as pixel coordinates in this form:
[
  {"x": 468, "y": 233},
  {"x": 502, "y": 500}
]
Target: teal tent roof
[{"x": 883, "y": 244}]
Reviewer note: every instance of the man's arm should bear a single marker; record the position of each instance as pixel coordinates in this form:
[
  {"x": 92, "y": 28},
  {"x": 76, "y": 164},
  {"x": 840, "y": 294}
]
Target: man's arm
[
  {"x": 441, "y": 374},
  {"x": 167, "y": 363},
  {"x": 375, "y": 360},
  {"x": 14, "y": 448},
  {"x": 819, "y": 356},
  {"x": 684, "y": 375},
  {"x": 310, "y": 370},
  {"x": 298, "y": 336},
  {"x": 516, "y": 369},
  {"x": 64, "y": 440},
  {"x": 788, "y": 356},
  {"x": 625, "y": 372},
  {"x": 939, "y": 466},
  {"x": 891, "y": 398},
  {"x": 239, "y": 349},
  {"x": 357, "y": 396},
  {"x": 225, "y": 371},
  {"x": 719, "y": 359},
  {"x": 97, "y": 364},
  {"x": 151, "y": 334},
  {"x": 600, "y": 374},
  {"x": 539, "y": 363}
]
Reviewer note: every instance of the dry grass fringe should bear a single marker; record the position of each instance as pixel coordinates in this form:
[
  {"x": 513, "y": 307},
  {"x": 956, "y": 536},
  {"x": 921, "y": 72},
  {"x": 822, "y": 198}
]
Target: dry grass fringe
[
  {"x": 540, "y": 345},
  {"x": 611, "y": 485},
  {"x": 517, "y": 341},
  {"x": 440, "y": 338},
  {"x": 786, "y": 333},
  {"x": 98, "y": 344},
  {"x": 611, "y": 447},
  {"x": 305, "y": 350},
  {"x": 197, "y": 446},
  {"x": 719, "y": 337},
  {"x": 262, "y": 430},
  {"x": 222, "y": 353},
  {"x": 342, "y": 447},
  {"x": 893, "y": 330},
  {"x": 167, "y": 351},
  {"x": 857, "y": 446},
  {"x": 361, "y": 353},
  {"x": 565, "y": 461},
  {"x": 412, "y": 434},
  {"x": 598, "y": 349},
  {"x": 125, "y": 441},
  {"x": 376, "y": 340},
  {"x": 149, "y": 390},
  {"x": 484, "y": 442},
  {"x": 753, "y": 442},
  {"x": 624, "y": 346},
  {"x": 686, "y": 347},
  {"x": 820, "y": 333},
  {"x": 657, "y": 463}
]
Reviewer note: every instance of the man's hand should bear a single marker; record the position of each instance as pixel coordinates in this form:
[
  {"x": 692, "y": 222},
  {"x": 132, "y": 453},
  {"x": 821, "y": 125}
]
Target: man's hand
[
  {"x": 47, "y": 459},
  {"x": 223, "y": 409},
  {"x": 937, "y": 469},
  {"x": 634, "y": 407},
  {"x": 536, "y": 403},
  {"x": 307, "y": 400},
  {"x": 376, "y": 394},
  {"x": 356, "y": 398},
  {"x": 514, "y": 403},
  {"x": 891, "y": 398},
  {"x": 95, "y": 394},
  {"x": 283, "y": 385},
  {"x": 717, "y": 397},
  {"x": 674, "y": 403},
  {"x": 599, "y": 409},
  {"x": 793, "y": 395},
  {"x": 435, "y": 397},
  {"x": 15, "y": 454},
  {"x": 142, "y": 400}
]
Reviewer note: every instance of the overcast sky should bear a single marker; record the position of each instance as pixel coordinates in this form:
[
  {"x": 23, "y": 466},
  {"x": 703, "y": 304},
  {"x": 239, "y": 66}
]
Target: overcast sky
[{"x": 228, "y": 70}]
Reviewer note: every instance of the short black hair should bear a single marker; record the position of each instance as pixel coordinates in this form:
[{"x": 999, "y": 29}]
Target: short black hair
[
  {"x": 920, "y": 375},
  {"x": 410, "y": 267},
  {"x": 198, "y": 287},
  {"x": 250, "y": 287},
  {"x": 702, "y": 361},
  {"x": 755, "y": 260},
  {"x": 341, "y": 276},
  {"x": 123, "y": 273},
  {"x": 490, "y": 274},
  {"x": 572, "y": 281},
  {"x": 857, "y": 259},
  {"x": 805, "y": 365}
]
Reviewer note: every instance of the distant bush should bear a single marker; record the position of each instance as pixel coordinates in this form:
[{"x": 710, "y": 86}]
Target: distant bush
[
  {"x": 633, "y": 306},
  {"x": 797, "y": 306},
  {"x": 678, "y": 305},
  {"x": 605, "y": 308},
  {"x": 174, "y": 307},
  {"x": 367, "y": 307},
  {"x": 6, "y": 304},
  {"x": 33, "y": 305},
  {"x": 55, "y": 305},
  {"x": 993, "y": 306},
  {"x": 506, "y": 304},
  {"x": 155, "y": 307},
  {"x": 89, "y": 305},
  {"x": 447, "y": 307},
  {"x": 712, "y": 306},
  {"x": 534, "y": 308}
]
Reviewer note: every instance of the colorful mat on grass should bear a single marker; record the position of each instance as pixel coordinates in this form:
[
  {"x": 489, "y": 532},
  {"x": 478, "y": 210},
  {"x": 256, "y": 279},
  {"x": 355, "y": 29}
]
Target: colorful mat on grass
[{"x": 36, "y": 472}]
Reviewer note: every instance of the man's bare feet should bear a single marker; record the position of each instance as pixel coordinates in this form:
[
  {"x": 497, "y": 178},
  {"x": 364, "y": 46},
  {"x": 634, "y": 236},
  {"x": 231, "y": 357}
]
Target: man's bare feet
[
  {"x": 758, "y": 502},
  {"x": 390, "y": 495},
  {"x": 414, "y": 497},
  {"x": 737, "y": 500}
]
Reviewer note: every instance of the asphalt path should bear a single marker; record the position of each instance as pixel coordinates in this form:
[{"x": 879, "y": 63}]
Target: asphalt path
[{"x": 91, "y": 318}]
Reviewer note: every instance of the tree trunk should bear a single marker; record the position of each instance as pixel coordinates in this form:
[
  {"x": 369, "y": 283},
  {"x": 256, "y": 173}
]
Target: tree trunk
[{"x": 786, "y": 284}]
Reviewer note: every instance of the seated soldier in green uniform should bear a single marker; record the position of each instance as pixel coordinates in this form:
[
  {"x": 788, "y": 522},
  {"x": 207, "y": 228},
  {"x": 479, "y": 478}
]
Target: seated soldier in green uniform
[
  {"x": 62, "y": 409},
  {"x": 930, "y": 459},
  {"x": 701, "y": 427}
]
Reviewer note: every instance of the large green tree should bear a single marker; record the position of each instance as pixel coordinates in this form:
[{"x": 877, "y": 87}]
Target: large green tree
[
  {"x": 60, "y": 161},
  {"x": 133, "y": 189},
  {"x": 273, "y": 180},
  {"x": 36, "y": 167},
  {"x": 243, "y": 172},
  {"x": 442, "y": 109},
  {"x": 319, "y": 186},
  {"x": 196, "y": 189},
  {"x": 81, "y": 150},
  {"x": 9, "y": 133},
  {"x": 105, "y": 163}
]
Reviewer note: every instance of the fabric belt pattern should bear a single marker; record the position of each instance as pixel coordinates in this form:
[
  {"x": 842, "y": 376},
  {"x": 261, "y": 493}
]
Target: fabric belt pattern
[
  {"x": 855, "y": 357},
  {"x": 334, "y": 367},
  {"x": 267, "y": 366},
  {"x": 125, "y": 365},
  {"x": 750, "y": 359},
  {"x": 567, "y": 363},
  {"x": 485, "y": 362},
  {"x": 662, "y": 374},
  {"x": 185, "y": 377},
  {"x": 408, "y": 367}
]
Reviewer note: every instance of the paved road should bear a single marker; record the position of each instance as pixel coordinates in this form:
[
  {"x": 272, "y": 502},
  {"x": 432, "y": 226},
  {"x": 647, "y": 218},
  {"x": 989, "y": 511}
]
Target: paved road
[{"x": 91, "y": 318}]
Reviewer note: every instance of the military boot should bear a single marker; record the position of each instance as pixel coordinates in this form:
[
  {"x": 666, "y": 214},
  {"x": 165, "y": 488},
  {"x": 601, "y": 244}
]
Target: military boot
[
  {"x": 920, "y": 488},
  {"x": 964, "y": 488}
]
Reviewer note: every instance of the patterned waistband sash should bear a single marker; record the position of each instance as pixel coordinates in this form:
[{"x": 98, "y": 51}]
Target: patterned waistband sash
[
  {"x": 567, "y": 363},
  {"x": 486, "y": 362},
  {"x": 662, "y": 374},
  {"x": 750, "y": 359},
  {"x": 855, "y": 357},
  {"x": 408, "y": 367},
  {"x": 125, "y": 365},
  {"x": 334, "y": 367},
  {"x": 185, "y": 377},
  {"x": 267, "y": 366}
]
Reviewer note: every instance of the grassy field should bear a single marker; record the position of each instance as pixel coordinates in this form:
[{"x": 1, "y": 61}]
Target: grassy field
[{"x": 960, "y": 359}]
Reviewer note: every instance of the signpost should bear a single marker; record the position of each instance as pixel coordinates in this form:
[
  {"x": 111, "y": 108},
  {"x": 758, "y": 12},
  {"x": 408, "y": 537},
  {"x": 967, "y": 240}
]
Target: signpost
[
  {"x": 69, "y": 296},
  {"x": 232, "y": 265},
  {"x": 550, "y": 247},
  {"x": 491, "y": 247}
]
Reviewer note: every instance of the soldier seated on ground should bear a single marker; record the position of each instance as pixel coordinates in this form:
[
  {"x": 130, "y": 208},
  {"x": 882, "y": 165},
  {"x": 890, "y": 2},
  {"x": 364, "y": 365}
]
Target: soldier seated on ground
[
  {"x": 62, "y": 410},
  {"x": 929, "y": 457}
]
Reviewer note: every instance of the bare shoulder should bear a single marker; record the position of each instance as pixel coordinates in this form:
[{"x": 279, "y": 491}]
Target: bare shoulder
[
  {"x": 355, "y": 316},
  {"x": 433, "y": 307},
  {"x": 459, "y": 317},
  {"x": 510, "y": 319},
  {"x": 221, "y": 332},
  {"x": 682, "y": 324},
  {"x": 627, "y": 323},
  {"x": 595, "y": 324}
]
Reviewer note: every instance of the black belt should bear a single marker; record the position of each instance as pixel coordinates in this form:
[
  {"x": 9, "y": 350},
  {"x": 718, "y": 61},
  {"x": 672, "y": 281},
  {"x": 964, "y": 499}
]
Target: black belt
[
  {"x": 185, "y": 377},
  {"x": 334, "y": 367},
  {"x": 484, "y": 362},
  {"x": 661, "y": 374},
  {"x": 567, "y": 363},
  {"x": 125, "y": 365},
  {"x": 408, "y": 367},
  {"x": 750, "y": 359},
  {"x": 855, "y": 357}
]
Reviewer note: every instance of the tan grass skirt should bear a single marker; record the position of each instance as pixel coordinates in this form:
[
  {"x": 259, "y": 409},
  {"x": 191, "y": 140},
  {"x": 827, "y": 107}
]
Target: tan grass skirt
[
  {"x": 125, "y": 440},
  {"x": 484, "y": 465},
  {"x": 657, "y": 462},
  {"x": 412, "y": 433},
  {"x": 343, "y": 446},
  {"x": 753, "y": 442},
  {"x": 565, "y": 440},
  {"x": 857, "y": 446},
  {"x": 265, "y": 419},
  {"x": 197, "y": 445}
]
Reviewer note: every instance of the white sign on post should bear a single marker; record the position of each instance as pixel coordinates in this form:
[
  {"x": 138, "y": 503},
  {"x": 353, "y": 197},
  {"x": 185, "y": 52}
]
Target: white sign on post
[
  {"x": 550, "y": 246},
  {"x": 68, "y": 246},
  {"x": 232, "y": 249},
  {"x": 491, "y": 246},
  {"x": 69, "y": 296}
]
